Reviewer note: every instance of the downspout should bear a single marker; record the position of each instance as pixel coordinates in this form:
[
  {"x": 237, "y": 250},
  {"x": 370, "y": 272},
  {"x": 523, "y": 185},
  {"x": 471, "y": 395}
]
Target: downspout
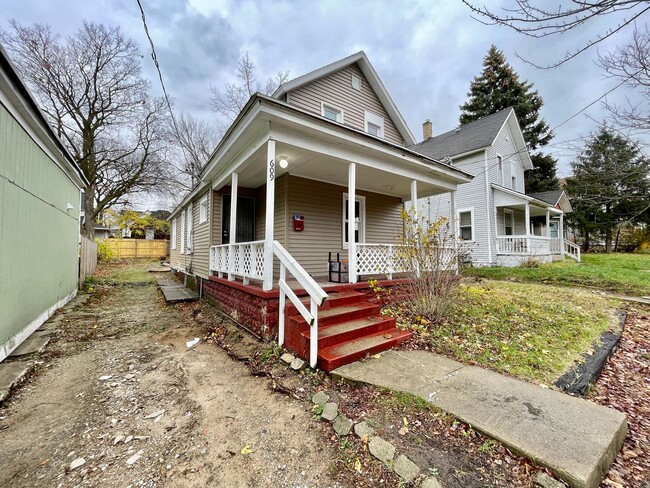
[{"x": 487, "y": 206}]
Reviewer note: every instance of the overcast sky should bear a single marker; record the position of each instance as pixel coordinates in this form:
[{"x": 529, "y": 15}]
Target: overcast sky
[{"x": 426, "y": 52}]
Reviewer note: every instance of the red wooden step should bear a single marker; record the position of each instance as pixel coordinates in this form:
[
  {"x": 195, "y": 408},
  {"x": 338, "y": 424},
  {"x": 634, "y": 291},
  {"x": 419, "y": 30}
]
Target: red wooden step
[
  {"x": 330, "y": 358},
  {"x": 334, "y": 299},
  {"x": 337, "y": 315},
  {"x": 352, "y": 329}
]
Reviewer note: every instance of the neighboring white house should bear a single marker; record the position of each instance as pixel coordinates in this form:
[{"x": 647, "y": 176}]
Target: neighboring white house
[{"x": 497, "y": 222}]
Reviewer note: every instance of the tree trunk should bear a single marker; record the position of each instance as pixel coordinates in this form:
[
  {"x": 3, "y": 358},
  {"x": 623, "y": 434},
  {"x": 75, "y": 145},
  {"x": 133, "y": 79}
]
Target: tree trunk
[
  {"x": 618, "y": 236},
  {"x": 88, "y": 228}
]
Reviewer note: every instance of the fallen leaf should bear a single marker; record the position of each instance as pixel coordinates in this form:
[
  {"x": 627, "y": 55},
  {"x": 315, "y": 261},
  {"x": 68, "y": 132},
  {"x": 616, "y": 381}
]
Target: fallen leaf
[{"x": 246, "y": 450}]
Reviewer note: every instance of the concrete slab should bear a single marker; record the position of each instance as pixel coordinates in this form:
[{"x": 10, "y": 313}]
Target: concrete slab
[
  {"x": 12, "y": 373},
  {"x": 175, "y": 292},
  {"x": 167, "y": 282},
  {"x": 575, "y": 438},
  {"x": 35, "y": 343},
  {"x": 161, "y": 269}
]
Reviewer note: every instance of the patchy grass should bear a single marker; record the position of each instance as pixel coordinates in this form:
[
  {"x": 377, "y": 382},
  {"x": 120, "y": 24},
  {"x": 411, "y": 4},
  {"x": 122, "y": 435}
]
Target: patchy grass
[
  {"x": 617, "y": 272},
  {"x": 531, "y": 331},
  {"x": 124, "y": 271}
]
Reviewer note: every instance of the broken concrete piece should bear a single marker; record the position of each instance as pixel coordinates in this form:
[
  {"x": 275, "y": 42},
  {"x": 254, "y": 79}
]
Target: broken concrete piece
[
  {"x": 287, "y": 358},
  {"x": 545, "y": 481},
  {"x": 77, "y": 463},
  {"x": 134, "y": 459},
  {"x": 297, "y": 364},
  {"x": 431, "y": 482},
  {"x": 382, "y": 450},
  {"x": 320, "y": 398},
  {"x": 363, "y": 429},
  {"x": 330, "y": 411},
  {"x": 12, "y": 373},
  {"x": 342, "y": 425},
  {"x": 405, "y": 468},
  {"x": 193, "y": 342}
]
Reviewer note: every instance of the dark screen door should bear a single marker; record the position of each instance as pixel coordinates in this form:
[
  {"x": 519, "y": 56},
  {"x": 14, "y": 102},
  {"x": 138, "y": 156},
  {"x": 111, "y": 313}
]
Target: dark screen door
[{"x": 245, "y": 219}]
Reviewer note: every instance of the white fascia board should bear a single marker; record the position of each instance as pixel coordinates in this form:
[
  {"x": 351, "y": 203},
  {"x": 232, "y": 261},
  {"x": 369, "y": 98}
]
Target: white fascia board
[
  {"x": 522, "y": 149},
  {"x": 418, "y": 167},
  {"x": 239, "y": 163}
]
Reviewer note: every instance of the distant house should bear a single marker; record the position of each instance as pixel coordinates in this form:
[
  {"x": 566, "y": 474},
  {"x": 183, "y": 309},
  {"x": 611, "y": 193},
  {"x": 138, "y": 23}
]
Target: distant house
[
  {"x": 40, "y": 208},
  {"x": 497, "y": 222}
]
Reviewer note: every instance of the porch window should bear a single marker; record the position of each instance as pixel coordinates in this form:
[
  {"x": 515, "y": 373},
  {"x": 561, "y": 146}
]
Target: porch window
[
  {"x": 466, "y": 224},
  {"x": 359, "y": 219},
  {"x": 183, "y": 232},
  {"x": 332, "y": 113},
  {"x": 374, "y": 124},
  {"x": 190, "y": 224},
  {"x": 203, "y": 210},
  {"x": 173, "y": 236},
  {"x": 508, "y": 219}
]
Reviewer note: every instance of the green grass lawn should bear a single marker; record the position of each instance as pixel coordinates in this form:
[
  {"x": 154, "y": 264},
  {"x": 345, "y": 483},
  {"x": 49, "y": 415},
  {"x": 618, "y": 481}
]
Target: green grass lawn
[
  {"x": 617, "y": 272},
  {"x": 532, "y": 331},
  {"x": 124, "y": 271}
]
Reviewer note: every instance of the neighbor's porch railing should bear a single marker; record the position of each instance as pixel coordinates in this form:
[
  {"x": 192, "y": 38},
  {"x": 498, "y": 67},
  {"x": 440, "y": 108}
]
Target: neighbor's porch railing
[
  {"x": 572, "y": 250},
  {"x": 244, "y": 259},
  {"x": 524, "y": 245},
  {"x": 393, "y": 258}
]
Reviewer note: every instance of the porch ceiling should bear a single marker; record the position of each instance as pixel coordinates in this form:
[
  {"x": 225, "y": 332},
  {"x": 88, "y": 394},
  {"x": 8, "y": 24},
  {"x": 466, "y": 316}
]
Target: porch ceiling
[{"x": 323, "y": 167}]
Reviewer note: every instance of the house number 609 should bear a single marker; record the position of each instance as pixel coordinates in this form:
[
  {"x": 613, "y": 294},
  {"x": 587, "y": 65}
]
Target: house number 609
[{"x": 271, "y": 170}]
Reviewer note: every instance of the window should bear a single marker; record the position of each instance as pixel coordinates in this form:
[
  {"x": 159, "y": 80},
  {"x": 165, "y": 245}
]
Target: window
[
  {"x": 500, "y": 169},
  {"x": 374, "y": 124},
  {"x": 508, "y": 219},
  {"x": 356, "y": 82},
  {"x": 466, "y": 224},
  {"x": 332, "y": 113},
  {"x": 513, "y": 175},
  {"x": 173, "y": 234},
  {"x": 183, "y": 232},
  {"x": 359, "y": 220},
  {"x": 190, "y": 224},
  {"x": 203, "y": 210}
]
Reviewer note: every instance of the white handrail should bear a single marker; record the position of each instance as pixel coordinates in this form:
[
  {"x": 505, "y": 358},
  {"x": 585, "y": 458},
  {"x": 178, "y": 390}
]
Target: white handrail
[
  {"x": 316, "y": 294},
  {"x": 571, "y": 249}
]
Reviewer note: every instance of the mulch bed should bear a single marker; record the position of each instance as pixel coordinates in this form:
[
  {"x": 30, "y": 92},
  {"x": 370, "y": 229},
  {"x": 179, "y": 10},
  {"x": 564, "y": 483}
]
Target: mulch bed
[{"x": 625, "y": 386}]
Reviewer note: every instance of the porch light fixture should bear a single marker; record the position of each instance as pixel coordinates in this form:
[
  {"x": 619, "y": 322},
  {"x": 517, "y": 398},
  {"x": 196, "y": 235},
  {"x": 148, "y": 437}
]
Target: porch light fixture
[{"x": 283, "y": 162}]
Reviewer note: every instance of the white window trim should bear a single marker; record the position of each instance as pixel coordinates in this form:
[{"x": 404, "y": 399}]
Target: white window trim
[
  {"x": 512, "y": 220},
  {"x": 375, "y": 120},
  {"x": 464, "y": 210},
  {"x": 190, "y": 229},
  {"x": 513, "y": 175},
  {"x": 355, "y": 77},
  {"x": 203, "y": 204},
  {"x": 341, "y": 117},
  {"x": 174, "y": 234},
  {"x": 500, "y": 169},
  {"x": 362, "y": 219},
  {"x": 183, "y": 232}
]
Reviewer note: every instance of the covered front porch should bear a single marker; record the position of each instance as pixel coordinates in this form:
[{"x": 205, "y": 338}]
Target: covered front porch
[{"x": 529, "y": 229}]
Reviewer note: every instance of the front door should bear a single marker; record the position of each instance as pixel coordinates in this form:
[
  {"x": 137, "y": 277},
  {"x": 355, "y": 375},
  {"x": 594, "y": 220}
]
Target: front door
[
  {"x": 245, "y": 219},
  {"x": 553, "y": 230}
]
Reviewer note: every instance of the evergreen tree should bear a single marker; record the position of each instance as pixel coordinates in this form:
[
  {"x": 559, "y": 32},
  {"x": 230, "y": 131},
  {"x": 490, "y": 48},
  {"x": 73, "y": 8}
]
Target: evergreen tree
[
  {"x": 498, "y": 87},
  {"x": 610, "y": 186}
]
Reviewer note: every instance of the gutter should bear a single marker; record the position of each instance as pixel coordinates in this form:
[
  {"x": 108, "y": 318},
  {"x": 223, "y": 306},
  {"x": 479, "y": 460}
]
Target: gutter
[{"x": 487, "y": 207}]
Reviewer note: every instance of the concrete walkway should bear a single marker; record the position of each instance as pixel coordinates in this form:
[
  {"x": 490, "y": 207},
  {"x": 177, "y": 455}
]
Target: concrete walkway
[{"x": 575, "y": 438}]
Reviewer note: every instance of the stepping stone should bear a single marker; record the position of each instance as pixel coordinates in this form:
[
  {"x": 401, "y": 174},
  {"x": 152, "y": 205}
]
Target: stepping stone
[
  {"x": 405, "y": 468},
  {"x": 342, "y": 425},
  {"x": 320, "y": 398},
  {"x": 35, "y": 343},
  {"x": 363, "y": 429},
  {"x": 382, "y": 450},
  {"x": 431, "y": 482},
  {"x": 577, "y": 439},
  {"x": 330, "y": 411},
  {"x": 178, "y": 293},
  {"x": 12, "y": 373}
]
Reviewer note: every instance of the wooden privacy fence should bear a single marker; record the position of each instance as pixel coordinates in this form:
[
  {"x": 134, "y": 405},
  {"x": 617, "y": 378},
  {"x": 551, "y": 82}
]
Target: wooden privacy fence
[
  {"x": 137, "y": 248},
  {"x": 87, "y": 259}
]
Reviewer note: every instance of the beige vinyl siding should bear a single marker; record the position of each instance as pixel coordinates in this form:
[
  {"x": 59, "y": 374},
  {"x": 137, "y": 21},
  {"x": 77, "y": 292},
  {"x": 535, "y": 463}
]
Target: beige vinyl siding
[
  {"x": 201, "y": 242},
  {"x": 336, "y": 90},
  {"x": 281, "y": 217},
  {"x": 322, "y": 206},
  {"x": 215, "y": 218},
  {"x": 519, "y": 218},
  {"x": 175, "y": 254}
]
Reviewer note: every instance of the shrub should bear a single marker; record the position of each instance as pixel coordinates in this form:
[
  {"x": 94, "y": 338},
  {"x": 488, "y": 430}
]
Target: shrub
[{"x": 104, "y": 251}]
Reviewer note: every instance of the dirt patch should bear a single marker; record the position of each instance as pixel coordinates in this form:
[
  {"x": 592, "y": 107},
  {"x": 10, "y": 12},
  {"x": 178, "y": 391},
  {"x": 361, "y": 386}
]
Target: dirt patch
[{"x": 119, "y": 388}]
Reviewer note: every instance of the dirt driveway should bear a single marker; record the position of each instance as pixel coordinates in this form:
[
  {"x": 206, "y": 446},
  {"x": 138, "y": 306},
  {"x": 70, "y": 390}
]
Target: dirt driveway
[{"x": 119, "y": 389}]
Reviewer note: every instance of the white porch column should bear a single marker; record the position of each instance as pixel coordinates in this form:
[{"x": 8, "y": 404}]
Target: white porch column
[
  {"x": 527, "y": 221},
  {"x": 414, "y": 199},
  {"x": 352, "y": 245},
  {"x": 548, "y": 223},
  {"x": 560, "y": 234},
  {"x": 270, "y": 210},
  {"x": 452, "y": 225},
  {"x": 233, "y": 226}
]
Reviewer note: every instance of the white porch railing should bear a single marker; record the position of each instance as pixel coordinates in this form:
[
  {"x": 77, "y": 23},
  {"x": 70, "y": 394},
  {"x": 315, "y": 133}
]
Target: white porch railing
[
  {"x": 556, "y": 245},
  {"x": 529, "y": 245},
  {"x": 572, "y": 250},
  {"x": 392, "y": 258},
  {"x": 244, "y": 259},
  {"x": 317, "y": 297}
]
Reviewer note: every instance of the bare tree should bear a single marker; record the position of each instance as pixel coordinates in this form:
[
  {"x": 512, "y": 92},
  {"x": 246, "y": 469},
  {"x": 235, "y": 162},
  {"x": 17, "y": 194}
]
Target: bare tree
[
  {"x": 91, "y": 88},
  {"x": 232, "y": 99},
  {"x": 541, "y": 18},
  {"x": 194, "y": 142}
]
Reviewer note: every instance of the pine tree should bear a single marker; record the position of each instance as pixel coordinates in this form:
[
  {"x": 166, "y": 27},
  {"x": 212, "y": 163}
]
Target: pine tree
[
  {"x": 498, "y": 87},
  {"x": 610, "y": 186}
]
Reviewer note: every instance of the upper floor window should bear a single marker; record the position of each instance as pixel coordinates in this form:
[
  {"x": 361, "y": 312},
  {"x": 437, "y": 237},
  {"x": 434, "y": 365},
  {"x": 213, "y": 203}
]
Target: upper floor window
[
  {"x": 203, "y": 210},
  {"x": 374, "y": 124},
  {"x": 356, "y": 82},
  {"x": 332, "y": 113},
  {"x": 513, "y": 175}
]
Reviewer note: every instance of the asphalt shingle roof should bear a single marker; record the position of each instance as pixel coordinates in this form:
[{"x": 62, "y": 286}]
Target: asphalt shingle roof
[
  {"x": 464, "y": 138},
  {"x": 550, "y": 197}
]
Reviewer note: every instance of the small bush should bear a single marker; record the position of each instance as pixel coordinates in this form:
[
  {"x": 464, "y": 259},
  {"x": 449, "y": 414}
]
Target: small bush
[{"x": 104, "y": 251}]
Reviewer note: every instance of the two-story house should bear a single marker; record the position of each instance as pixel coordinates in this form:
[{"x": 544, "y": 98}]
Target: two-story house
[
  {"x": 313, "y": 176},
  {"x": 496, "y": 221}
]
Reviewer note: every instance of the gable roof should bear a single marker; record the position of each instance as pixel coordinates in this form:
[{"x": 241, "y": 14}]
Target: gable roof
[
  {"x": 373, "y": 80},
  {"x": 465, "y": 138},
  {"x": 555, "y": 198}
]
